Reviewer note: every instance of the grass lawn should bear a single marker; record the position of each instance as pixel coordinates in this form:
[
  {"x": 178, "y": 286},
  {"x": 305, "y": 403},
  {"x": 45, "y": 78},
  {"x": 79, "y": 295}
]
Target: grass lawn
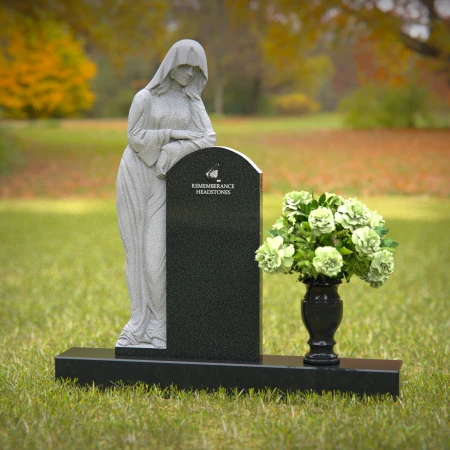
[{"x": 62, "y": 285}]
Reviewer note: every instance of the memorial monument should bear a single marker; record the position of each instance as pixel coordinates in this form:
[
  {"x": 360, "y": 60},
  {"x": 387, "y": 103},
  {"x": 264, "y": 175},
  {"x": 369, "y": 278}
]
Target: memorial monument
[{"x": 190, "y": 221}]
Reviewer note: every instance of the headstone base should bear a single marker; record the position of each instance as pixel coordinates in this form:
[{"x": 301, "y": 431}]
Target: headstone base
[{"x": 287, "y": 373}]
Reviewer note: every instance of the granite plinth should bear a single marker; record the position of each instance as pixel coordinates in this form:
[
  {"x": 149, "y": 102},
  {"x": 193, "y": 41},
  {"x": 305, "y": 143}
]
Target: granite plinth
[
  {"x": 213, "y": 227},
  {"x": 287, "y": 373}
]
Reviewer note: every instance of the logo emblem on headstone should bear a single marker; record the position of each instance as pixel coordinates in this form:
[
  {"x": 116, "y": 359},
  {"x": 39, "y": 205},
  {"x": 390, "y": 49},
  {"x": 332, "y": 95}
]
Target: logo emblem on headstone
[{"x": 213, "y": 173}]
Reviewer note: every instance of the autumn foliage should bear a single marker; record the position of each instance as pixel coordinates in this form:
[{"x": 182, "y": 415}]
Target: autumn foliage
[{"x": 44, "y": 71}]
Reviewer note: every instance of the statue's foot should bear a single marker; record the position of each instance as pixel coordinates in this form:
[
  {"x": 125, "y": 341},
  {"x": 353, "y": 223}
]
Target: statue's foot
[
  {"x": 123, "y": 342},
  {"x": 158, "y": 342}
]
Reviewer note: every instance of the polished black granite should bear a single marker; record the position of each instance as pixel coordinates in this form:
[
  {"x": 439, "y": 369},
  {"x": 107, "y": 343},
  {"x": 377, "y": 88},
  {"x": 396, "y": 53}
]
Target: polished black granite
[
  {"x": 287, "y": 373},
  {"x": 213, "y": 282}
]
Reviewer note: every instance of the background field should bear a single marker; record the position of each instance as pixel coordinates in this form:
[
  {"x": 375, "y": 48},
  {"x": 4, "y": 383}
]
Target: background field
[
  {"x": 80, "y": 157},
  {"x": 62, "y": 285}
]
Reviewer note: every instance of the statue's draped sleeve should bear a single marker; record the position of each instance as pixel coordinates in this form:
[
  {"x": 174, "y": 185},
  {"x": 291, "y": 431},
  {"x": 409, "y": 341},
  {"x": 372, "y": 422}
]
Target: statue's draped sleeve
[
  {"x": 176, "y": 150},
  {"x": 146, "y": 143}
]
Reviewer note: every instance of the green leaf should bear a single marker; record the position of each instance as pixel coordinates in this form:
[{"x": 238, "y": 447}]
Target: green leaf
[
  {"x": 313, "y": 205},
  {"x": 322, "y": 199},
  {"x": 389, "y": 243},
  {"x": 325, "y": 240},
  {"x": 345, "y": 251},
  {"x": 306, "y": 226},
  {"x": 381, "y": 231}
]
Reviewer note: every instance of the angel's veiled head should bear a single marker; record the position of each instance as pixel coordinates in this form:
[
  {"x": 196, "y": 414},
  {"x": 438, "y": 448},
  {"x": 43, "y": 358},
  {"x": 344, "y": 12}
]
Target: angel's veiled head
[{"x": 184, "y": 64}]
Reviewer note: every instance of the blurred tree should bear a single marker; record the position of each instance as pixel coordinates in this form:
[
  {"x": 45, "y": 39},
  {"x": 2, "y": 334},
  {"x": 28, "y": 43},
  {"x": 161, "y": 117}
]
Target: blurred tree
[
  {"x": 267, "y": 47},
  {"x": 114, "y": 89},
  {"x": 382, "y": 106},
  {"x": 398, "y": 27},
  {"x": 43, "y": 70},
  {"x": 295, "y": 104},
  {"x": 116, "y": 27}
]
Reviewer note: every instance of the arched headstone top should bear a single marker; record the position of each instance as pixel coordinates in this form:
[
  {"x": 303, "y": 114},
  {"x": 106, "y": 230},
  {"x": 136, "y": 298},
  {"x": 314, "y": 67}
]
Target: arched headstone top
[{"x": 194, "y": 155}]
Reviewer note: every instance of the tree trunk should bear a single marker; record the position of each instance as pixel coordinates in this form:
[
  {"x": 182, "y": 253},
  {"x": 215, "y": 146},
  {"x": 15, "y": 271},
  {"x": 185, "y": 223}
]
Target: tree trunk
[{"x": 255, "y": 95}]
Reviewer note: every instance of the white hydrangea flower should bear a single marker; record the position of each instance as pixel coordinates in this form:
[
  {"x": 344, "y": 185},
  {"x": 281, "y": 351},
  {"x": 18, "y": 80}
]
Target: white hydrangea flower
[
  {"x": 321, "y": 221},
  {"x": 279, "y": 223},
  {"x": 273, "y": 256},
  {"x": 293, "y": 199},
  {"x": 327, "y": 261},
  {"x": 381, "y": 268},
  {"x": 366, "y": 241},
  {"x": 376, "y": 219},
  {"x": 328, "y": 195},
  {"x": 352, "y": 214}
]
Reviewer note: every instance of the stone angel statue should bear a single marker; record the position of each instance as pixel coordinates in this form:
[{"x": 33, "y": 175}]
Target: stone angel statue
[{"x": 167, "y": 121}]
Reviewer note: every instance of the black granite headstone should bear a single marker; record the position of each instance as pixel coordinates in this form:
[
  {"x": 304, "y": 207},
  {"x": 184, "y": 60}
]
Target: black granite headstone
[{"x": 213, "y": 282}]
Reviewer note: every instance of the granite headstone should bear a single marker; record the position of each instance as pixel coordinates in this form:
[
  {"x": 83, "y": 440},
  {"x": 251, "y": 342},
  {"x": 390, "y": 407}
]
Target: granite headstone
[{"x": 213, "y": 282}]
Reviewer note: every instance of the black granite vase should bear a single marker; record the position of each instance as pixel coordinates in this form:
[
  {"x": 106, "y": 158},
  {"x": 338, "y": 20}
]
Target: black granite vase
[{"x": 322, "y": 311}]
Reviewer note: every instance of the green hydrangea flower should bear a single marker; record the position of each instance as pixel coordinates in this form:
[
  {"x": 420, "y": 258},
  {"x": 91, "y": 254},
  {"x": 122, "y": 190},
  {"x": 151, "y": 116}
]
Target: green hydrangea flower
[
  {"x": 295, "y": 198},
  {"x": 279, "y": 223},
  {"x": 273, "y": 256},
  {"x": 321, "y": 221},
  {"x": 329, "y": 195},
  {"x": 376, "y": 220},
  {"x": 366, "y": 241},
  {"x": 381, "y": 268},
  {"x": 352, "y": 214},
  {"x": 327, "y": 261},
  {"x": 291, "y": 202}
]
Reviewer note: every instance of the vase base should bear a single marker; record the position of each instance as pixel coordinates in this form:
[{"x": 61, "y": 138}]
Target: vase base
[
  {"x": 321, "y": 362},
  {"x": 319, "y": 357}
]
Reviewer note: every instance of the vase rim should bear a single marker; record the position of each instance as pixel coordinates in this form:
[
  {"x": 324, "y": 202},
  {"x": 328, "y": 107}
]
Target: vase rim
[{"x": 323, "y": 281}]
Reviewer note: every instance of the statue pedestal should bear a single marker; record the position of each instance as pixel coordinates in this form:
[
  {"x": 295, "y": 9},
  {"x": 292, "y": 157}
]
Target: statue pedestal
[{"x": 287, "y": 373}]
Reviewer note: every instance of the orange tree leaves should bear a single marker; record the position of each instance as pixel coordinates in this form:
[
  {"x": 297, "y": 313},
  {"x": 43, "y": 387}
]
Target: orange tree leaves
[{"x": 43, "y": 70}]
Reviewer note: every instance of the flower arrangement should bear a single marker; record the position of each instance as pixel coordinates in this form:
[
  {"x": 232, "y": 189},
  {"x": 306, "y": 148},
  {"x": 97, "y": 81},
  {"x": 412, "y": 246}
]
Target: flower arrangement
[{"x": 328, "y": 237}]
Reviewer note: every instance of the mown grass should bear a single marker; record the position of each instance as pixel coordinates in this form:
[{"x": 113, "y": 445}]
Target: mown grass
[{"x": 63, "y": 285}]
